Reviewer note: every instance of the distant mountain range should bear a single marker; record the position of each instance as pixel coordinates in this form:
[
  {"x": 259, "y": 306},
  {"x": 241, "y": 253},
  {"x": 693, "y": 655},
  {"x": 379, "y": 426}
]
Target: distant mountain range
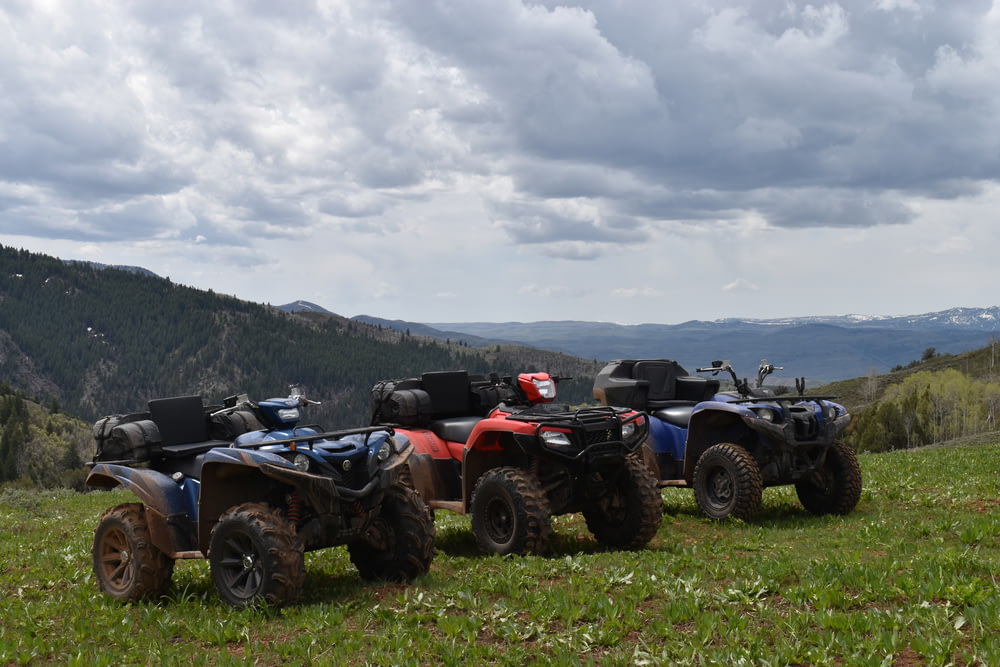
[{"x": 820, "y": 348}]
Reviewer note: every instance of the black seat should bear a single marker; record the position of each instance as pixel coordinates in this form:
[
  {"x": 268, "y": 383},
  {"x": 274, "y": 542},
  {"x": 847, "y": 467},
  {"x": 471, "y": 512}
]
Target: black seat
[
  {"x": 660, "y": 376},
  {"x": 454, "y": 429},
  {"x": 669, "y": 385},
  {"x": 678, "y": 415}
]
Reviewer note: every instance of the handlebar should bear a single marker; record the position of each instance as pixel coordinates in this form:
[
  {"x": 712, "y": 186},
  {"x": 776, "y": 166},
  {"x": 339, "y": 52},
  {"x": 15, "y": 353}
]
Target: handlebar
[
  {"x": 718, "y": 366},
  {"x": 243, "y": 402},
  {"x": 742, "y": 386},
  {"x": 765, "y": 369},
  {"x": 232, "y": 404},
  {"x": 303, "y": 401}
]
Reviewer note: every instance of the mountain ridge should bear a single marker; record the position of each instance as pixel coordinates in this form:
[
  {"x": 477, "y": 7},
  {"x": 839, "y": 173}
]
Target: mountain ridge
[
  {"x": 93, "y": 340},
  {"x": 824, "y": 348},
  {"x": 821, "y": 348}
]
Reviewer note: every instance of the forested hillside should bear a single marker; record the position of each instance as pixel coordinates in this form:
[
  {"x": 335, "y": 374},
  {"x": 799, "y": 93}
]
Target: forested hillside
[
  {"x": 98, "y": 340},
  {"x": 39, "y": 446},
  {"x": 930, "y": 400}
]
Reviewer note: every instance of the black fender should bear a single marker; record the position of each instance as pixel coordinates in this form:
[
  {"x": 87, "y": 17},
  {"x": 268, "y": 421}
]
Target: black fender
[
  {"x": 232, "y": 476},
  {"x": 171, "y": 513},
  {"x": 712, "y": 423},
  {"x": 489, "y": 448}
]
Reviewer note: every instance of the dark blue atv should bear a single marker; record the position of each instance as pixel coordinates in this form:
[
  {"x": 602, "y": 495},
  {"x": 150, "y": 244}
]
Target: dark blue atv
[
  {"x": 242, "y": 485},
  {"x": 729, "y": 446}
]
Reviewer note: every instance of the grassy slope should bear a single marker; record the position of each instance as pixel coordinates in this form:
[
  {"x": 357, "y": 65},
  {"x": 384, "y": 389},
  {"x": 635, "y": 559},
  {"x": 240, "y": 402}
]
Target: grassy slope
[{"x": 908, "y": 578}]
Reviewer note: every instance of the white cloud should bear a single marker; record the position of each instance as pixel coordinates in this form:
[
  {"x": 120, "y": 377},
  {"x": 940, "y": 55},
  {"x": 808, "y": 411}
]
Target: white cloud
[
  {"x": 741, "y": 285},
  {"x": 412, "y": 159}
]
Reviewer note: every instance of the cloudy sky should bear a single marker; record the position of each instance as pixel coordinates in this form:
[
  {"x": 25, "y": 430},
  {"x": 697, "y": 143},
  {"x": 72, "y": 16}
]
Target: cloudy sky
[{"x": 499, "y": 160}]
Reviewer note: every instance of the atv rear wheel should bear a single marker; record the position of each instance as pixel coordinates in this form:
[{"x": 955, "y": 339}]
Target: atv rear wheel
[
  {"x": 126, "y": 564},
  {"x": 255, "y": 557},
  {"x": 510, "y": 513},
  {"x": 836, "y": 488},
  {"x": 727, "y": 483},
  {"x": 399, "y": 543},
  {"x": 628, "y": 513}
]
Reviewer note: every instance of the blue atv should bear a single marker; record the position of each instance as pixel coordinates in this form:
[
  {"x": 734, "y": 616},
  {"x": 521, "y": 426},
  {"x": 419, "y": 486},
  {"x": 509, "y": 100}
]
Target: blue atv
[
  {"x": 730, "y": 445},
  {"x": 242, "y": 485}
]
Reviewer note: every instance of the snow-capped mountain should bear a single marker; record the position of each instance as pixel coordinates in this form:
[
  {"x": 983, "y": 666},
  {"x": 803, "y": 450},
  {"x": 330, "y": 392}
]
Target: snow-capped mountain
[{"x": 822, "y": 348}]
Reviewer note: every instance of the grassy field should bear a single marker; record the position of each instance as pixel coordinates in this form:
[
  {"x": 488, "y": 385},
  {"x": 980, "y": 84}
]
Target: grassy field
[{"x": 910, "y": 578}]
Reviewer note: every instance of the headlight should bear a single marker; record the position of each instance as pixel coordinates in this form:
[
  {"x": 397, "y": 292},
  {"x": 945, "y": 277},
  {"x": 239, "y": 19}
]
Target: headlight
[
  {"x": 288, "y": 414},
  {"x": 765, "y": 414},
  {"x": 556, "y": 438},
  {"x": 546, "y": 388},
  {"x": 628, "y": 430},
  {"x": 382, "y": 455},
  {"x": 301, "y": 461}
]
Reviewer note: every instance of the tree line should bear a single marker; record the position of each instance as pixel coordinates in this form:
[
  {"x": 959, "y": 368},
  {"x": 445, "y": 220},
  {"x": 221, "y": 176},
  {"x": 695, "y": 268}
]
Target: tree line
[{"x": 925, "y": 408}]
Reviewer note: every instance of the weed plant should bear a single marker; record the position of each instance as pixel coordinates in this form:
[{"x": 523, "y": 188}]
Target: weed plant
[{"x": 909, "y": 578}]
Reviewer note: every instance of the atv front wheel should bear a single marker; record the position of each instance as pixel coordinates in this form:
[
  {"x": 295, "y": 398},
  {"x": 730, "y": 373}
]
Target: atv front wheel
[
  {"x": 510, "y": 513},
  {"x": 255, "y": 557},
  {"x": 727, "y": 483},
  {"x": 399, "y": 543},
  {"x": 126, "y": 564},
  {"x": 628, "y": 512},
  {"x": 836, "y": 487}
]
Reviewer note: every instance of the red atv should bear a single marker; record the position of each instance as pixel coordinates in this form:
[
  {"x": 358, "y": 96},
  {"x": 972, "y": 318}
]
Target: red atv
[{"x": 504, "y": 452}]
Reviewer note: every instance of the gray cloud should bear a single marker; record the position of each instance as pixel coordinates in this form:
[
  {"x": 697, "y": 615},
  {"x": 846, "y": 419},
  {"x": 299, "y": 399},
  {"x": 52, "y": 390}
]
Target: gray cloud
[
  {"x": 580, "y": 132},
  {"x": 757, "y": 101}
]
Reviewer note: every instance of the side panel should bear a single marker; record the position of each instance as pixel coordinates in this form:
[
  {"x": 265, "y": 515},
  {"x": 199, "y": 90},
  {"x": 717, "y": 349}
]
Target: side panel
[
  {"x": 425, "y": 442},
  {"x": 433, "y": 465},
  {"x": 666, "y": 438}
]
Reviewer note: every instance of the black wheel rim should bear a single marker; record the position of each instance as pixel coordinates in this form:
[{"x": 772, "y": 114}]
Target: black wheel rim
[
  {"x": 115, "y": 562},
  {"x": 615, "y": 506},
  {"x": 240, "y": 565},
  {"x": 720, "y": 488},
  {"x": 379, "y": 535},
  {"x": 823, "y": 482},
  {"x": 499, "y": 521}
]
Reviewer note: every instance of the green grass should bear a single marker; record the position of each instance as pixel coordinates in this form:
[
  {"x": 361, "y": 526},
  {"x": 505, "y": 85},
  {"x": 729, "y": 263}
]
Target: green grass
[{"x": 911, "y": 577}]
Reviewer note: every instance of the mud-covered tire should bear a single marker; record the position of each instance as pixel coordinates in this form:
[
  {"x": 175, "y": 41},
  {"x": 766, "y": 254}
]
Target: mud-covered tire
[
  {"x": 510, "y": 513},
  {"x": 399, "y": 543},
  {"x": 836, "y": 489},
  {"x": 404, "y": 476},
  {"x": 628, "y": 512},
  {"x": 728, "y": 483},
  {"x": 255, "y": 557},
  {"x": 126, "y": 564}
]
